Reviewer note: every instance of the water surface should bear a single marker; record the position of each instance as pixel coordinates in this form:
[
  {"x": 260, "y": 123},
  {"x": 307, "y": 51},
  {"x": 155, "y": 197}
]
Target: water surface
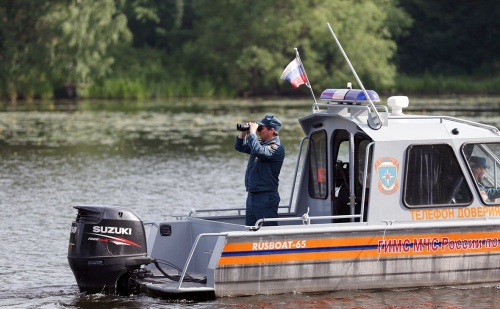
[{"x": 160, "y": 159}]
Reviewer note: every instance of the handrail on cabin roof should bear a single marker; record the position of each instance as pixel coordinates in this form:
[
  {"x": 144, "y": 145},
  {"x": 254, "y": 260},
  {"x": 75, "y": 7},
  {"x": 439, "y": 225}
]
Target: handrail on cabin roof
[{"x": 357, "y": 108}]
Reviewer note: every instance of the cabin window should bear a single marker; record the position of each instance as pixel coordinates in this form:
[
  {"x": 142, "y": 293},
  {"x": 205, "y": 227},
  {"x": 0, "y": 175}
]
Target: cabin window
[
  {"x": 484, "y": 167},
  {"x": 318, "y": 165},
  {"x": 434, "y": 177}
]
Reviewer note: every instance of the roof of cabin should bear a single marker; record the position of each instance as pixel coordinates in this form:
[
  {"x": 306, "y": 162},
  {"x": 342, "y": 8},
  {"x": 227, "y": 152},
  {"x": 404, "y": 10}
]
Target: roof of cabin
[{"x": 400, "y": 127}]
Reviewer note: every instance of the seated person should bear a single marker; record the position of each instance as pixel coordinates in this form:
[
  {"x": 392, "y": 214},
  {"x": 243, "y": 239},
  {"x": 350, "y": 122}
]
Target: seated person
[{"x": 478, "y": 166}]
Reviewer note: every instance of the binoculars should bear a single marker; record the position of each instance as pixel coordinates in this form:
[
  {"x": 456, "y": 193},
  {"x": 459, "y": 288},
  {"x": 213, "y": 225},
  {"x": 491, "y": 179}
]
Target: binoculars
[{"x": 242, "y": 127}]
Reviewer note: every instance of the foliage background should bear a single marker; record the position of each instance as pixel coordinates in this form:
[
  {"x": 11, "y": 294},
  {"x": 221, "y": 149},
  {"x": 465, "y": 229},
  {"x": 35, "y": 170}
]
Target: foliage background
[{"x": 238, "y": 48}]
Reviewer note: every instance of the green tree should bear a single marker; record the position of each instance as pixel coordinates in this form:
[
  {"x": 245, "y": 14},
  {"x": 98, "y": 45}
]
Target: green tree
[
  {"x": 451, "y": 37},
  {"x": 83, "y": 33},
  {"x": 161, "y": 24},
  {"x": 46, "y": 43},
  {"x": 24, "y": 54},
  {"x": 247, "y": 44}
]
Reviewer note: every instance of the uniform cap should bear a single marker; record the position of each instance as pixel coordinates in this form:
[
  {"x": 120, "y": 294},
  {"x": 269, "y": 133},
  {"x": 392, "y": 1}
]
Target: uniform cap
[
  {"x": 478, "y": 161},
  {"x": 270, "y": 121}
]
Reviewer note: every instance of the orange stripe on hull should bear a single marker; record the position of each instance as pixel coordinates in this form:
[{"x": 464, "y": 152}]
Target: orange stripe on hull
[{"x": 299, "y": 250}]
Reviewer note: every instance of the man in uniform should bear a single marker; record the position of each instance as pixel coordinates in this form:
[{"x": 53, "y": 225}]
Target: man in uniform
[
  {"x": 478, "y": 166},
  {"x": 263, "y": 169}
]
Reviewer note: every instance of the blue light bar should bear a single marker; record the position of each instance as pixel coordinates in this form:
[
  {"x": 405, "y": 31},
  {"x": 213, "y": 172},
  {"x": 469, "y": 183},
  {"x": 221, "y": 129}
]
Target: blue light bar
[{"x": 348, "y": 96}]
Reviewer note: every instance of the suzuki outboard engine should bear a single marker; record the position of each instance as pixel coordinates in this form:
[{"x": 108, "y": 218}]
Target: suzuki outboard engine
[{"x": 106, "y": 245}]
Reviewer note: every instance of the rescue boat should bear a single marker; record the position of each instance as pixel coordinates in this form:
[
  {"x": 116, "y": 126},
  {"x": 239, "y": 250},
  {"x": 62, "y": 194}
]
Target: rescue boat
[{"x": 384, "y": 200}]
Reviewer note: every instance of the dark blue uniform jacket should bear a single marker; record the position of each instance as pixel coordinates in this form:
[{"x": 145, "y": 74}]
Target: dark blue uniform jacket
[{"x": 264, "y": 164}]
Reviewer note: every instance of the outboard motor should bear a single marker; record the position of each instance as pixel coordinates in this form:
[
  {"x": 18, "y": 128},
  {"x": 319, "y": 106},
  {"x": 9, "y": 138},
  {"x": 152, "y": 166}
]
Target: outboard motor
[{"x": 106, "y": 245}]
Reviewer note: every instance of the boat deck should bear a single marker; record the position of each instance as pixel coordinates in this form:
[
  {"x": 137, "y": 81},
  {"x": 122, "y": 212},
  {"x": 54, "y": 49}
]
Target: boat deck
[{"x": 162, "y": 287}]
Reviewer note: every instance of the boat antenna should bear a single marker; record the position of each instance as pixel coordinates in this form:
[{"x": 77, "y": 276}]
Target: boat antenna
[
  {"x": 376, "y": 117},
  {"x": 308, "y": 84}
]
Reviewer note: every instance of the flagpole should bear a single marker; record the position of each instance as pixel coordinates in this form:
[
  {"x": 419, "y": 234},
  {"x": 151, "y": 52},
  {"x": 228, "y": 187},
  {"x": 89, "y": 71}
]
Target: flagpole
[
  {"x": 377, "y": 116},
  {"x": 308, "y": 84}
]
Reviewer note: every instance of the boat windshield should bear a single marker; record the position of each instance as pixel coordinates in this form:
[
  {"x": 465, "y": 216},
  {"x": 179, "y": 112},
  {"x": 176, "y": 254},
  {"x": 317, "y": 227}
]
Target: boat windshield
[{"x": 484, "y": 164}]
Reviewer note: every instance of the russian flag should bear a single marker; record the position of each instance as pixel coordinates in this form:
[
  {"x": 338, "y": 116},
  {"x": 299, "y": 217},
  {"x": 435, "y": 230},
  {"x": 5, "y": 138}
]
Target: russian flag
[{"x": 295, "y": 73}]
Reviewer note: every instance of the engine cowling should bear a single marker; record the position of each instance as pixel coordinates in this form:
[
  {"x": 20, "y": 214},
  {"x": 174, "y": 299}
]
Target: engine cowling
[{"x": 106, "y": 244}]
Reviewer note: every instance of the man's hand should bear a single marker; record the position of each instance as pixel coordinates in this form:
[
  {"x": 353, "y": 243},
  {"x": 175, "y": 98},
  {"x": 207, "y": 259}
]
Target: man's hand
[{"x": 253, "y": 128}]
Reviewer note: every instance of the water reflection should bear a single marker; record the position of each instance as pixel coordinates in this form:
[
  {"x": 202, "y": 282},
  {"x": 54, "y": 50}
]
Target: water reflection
[{"x": 185, "y": 126}]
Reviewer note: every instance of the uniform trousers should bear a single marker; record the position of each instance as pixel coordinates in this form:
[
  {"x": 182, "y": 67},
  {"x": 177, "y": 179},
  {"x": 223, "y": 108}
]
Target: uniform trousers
[{"x": 262, "y": 205}]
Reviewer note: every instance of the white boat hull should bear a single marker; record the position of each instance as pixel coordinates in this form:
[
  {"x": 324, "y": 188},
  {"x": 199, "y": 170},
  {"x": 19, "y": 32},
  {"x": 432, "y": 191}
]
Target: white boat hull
[{"x": 324, "y": 258}]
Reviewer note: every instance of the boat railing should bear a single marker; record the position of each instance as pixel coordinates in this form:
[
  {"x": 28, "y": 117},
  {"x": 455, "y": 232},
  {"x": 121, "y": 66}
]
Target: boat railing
[
  {"x": 195, "y": 212},
  {"x": 296, "y": 172},
  {"x": 365, "y": 177},
  {"x": 191, "y": 253},
  {"x": 357, "y": 109},
  {"x": 354, "y": 110},
  {"x": 441, "y": 118},
  {"x": 306, "y": 220},
  {"x": 342, "y": 106}
]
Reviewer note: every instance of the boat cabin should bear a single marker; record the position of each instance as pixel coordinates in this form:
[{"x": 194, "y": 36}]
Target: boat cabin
[
  {"x": 375, "y": 165},
  {"x": 362, "y": 163}
]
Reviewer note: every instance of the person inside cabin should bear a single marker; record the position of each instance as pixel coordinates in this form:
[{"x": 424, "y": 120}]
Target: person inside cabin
[
  {"x": 267, "y": 154},
  {"x": 478, "y": 166}
]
